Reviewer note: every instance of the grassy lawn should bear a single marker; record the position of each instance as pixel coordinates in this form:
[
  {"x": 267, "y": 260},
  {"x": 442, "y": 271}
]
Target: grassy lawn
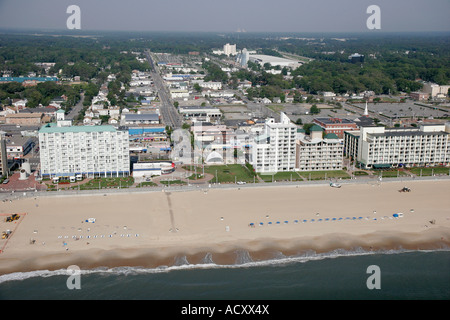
[
  {"x": 146, "y": 184},
  {"x": 360, "y": 173},
  {"x": 281, "y": 176},
  {"x": 229, "y": 173},
  {"x": 390, "y": 173},
  {"x": 173, "y": 182},
  {"x": 195, "y": 176},
  {"x": 430, "y": 171},
  {"x": 321, "y": 175},
  {"x": 102, "y": 183},
  {"x": 276, "y": 108}
]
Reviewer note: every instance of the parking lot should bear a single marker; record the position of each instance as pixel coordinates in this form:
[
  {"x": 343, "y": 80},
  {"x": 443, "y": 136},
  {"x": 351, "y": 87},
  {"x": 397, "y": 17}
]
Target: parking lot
[{"x": 408, "y": 109}]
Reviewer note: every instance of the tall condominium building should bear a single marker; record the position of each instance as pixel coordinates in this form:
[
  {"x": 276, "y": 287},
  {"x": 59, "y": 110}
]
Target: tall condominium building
[
  {"x": 243, "y": 57},
  {"x": 229, "y": 49},
  {"x": 274, "y": 149},
  {"x": 91, "y": 151},
  {"x": 378, "y": 147},
  {"x": 315, "y": 153},
  {"x": 3, "y": 158}
]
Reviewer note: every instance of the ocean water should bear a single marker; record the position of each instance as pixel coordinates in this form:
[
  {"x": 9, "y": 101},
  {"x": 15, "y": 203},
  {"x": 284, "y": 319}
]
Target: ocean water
[{"x": 410, "y": 275}]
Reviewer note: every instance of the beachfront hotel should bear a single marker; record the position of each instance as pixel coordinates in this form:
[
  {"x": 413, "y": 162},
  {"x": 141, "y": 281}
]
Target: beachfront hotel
[
  {"x": 83, "y": 151},
  {"x": 315, "y": 153},
  {"x": 274, "y": 149},
  {"x": 379, "y": 147}
]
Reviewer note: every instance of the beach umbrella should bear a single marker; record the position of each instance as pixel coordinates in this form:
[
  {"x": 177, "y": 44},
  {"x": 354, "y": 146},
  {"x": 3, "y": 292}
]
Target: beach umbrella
[
  {"x": 261, "y": 223},
  {"x": 395, "y": 215},
  {"x": 305, "y": 221},
  {"x": 295, "y": 221},
  {"x": 286, "y": 221}
]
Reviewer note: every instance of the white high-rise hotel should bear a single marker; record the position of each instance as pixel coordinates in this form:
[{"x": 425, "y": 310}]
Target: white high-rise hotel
[
  {"x": 378, "y": 147},
  {"x": 229, "y": 49},
  {"x": 92, "y": 151},
  {"x": 274, "y": 149}
]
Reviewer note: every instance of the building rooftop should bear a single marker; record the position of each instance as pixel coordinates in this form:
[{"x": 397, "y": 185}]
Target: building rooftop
[
  {"x": 142, "y": 116},
  {"x": 315, "y": 128},
  {"x": 331, "y": 136},
  {"x": 16, "y": 140},
  {"x": 39, "y": 110},
  {"x": 52, "y": 127},
  {"x": 334, "y": 120},
  {"x": 198, "y": 108},
  {"x": 407, "y": 133},
  {"x": 22, "y": 79}
]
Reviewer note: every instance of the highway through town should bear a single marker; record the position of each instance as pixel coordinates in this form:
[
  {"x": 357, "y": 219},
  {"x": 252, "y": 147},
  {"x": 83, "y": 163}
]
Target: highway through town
[{"x": 169, "y": 113}]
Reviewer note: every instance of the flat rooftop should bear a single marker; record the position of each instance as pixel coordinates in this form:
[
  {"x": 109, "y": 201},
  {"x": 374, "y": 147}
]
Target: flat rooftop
[
  {"x": 52, "y": 128},
  {"x": 407, "y": 133},
  {"x": 335, "y": 121}
]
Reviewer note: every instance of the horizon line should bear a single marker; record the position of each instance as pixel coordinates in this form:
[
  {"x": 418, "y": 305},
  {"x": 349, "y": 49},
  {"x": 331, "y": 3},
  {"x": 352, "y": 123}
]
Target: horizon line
[{"x": 75, "y": 31}]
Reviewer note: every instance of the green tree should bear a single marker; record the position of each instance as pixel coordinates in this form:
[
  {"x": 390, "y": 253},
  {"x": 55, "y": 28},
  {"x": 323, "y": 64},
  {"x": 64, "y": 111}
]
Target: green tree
[
  {"x": 197, "y": 87},
  {"x": 314, "y": 109}
]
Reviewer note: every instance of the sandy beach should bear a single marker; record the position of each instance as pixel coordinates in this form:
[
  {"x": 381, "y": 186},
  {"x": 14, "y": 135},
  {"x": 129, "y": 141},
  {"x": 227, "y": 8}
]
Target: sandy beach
[{"x": 155, "y": 228}]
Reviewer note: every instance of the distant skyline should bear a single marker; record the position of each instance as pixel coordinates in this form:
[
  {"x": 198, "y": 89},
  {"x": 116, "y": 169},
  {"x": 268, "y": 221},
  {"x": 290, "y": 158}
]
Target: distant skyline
[{"x": 227, "y": 15}]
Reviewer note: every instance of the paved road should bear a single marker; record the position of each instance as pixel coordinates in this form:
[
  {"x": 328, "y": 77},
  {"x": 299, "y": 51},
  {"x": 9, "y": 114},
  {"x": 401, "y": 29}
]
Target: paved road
[
  {"x": 169, "y": 113},
  {"x": 76, "y": 109},
  {"x": 206, "y": 186}
]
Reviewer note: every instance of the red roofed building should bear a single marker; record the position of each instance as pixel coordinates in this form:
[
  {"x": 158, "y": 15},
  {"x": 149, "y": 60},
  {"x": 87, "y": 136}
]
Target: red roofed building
[{"x": 335, "y": 125}]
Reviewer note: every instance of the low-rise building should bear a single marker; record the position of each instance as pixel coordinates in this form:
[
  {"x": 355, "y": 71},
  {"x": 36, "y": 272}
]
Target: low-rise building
[
  {"x": 131, "y": 119},
  {"x": 435, "y": 90},
  {"x": 152, "y": 168},
  {"x": 419, "y": 96},
  {"x": 18, "y": 146},
  {"x": 335, "y": 125},
  {"x": 201, "y": 114},
  {"x": 25, "y": 119},
  {"x": 179, "y": 93}
]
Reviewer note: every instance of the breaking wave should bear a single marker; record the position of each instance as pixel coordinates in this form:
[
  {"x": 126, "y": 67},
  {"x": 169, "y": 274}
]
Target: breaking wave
[{"x": 243, "y": 259}]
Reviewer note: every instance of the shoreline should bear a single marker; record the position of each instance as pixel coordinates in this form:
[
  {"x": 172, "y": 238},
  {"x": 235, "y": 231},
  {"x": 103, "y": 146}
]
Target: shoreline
[
  {"x": 234, "y": 255},
  {"x": 141, "y": 225}
]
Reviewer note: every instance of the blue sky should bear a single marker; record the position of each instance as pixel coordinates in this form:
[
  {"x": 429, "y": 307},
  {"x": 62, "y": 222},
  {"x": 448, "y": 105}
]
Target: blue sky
[{"x": 228, "y": 15}]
